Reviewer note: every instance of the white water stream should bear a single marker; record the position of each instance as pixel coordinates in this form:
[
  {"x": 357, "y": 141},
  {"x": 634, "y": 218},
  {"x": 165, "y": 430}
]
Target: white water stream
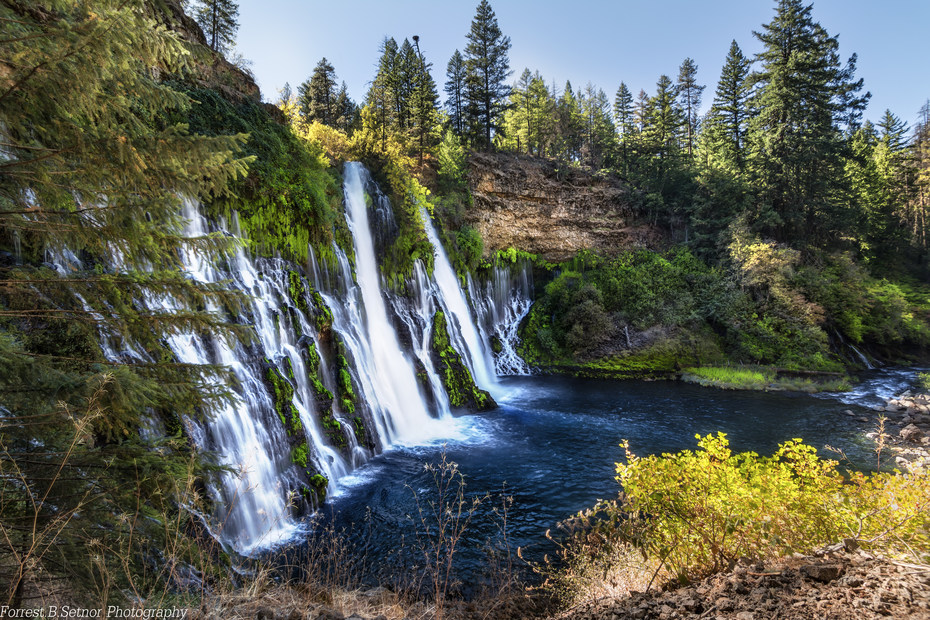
[{"x": 400, "y": 396}]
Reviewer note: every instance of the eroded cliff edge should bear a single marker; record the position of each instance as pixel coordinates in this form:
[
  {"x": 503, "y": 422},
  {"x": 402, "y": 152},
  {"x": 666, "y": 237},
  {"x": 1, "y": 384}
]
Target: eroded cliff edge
[{"x": 550, "y": 210}]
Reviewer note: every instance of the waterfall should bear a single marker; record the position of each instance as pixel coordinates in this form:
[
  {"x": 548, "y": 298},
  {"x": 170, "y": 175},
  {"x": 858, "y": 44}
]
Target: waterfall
[
  {"x": 284, "y": 428},
  {"x": 474, "y": 348},
  {"x": 416, "y": 312},
  {"x": 252, "y": 498},
  {"x": 505, "y": 300},
  {"x": 387, "y": 374},
  {"x": 859, "y": 355},
  {"x": 862, "y": 358}
]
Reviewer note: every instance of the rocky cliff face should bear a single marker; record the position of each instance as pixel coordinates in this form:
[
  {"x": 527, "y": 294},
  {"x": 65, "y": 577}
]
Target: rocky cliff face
[
  {"x": 529, "y": 204},
  {"x": 212, "y": 69}
]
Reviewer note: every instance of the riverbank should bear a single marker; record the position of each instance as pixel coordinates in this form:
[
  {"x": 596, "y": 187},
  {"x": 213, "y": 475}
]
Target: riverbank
[{"x": 903, "y": 430}]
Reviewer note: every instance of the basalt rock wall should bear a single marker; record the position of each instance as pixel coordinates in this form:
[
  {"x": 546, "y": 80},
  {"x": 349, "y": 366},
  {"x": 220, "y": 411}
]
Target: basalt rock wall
[{"x": 534, "y": 205}]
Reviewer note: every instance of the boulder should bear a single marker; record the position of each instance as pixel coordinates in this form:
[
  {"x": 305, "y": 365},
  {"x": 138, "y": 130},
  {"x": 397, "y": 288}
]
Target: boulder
[
  {"x": 824, "y": 573},
  {"x": 911, "y": 434}
]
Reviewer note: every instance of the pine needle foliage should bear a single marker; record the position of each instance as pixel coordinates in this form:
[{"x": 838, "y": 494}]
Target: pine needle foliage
[{"x": 93, "y": 169}]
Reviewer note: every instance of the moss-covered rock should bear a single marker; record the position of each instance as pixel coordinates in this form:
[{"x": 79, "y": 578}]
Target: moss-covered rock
[
  {"x": 321, "y": 312},
  {"x": 317, "y": 488},
  {"x": 300, "y": 454},
  {"x": 282, "y": 393},
  {"x": 456, "y": 378},
  {"x": 297, "y": 291},
  {"x": 323, "y": 397}
]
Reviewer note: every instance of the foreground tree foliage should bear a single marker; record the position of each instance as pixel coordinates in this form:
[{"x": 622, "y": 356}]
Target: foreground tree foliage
[{"x": 92, "y": 177}]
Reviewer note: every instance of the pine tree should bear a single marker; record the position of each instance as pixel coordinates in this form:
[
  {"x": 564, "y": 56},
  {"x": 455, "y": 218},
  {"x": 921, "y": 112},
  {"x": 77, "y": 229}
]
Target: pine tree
[
  {"x": 664, "y": 120},
  {"x": 219, "y": 20},
  {"x": 802, "y": 96},
  {"x": 406, "y": 72},
  {"x": 624, "y": 116},
  {"x": 487, "y": 69},
  {"x": 317, "y": 96},
  {"x": 641, "y": 110},
  {"x": 728, "y": 119},
  {"x": 381, "y": 97},
  {"x": 345, "y": 110},
  {"x": 690, "y": 93},
  {"x": 569, "y": 125},
  {"x": 424, "y": 105},
  {"x": 623, "y": 109},
  {"x": 919, "y": 202},
  {"x": 455, "y": 92},
  {"x": 529, "y": 119},
  {"x": 599, "y": 136},
  {"x": 893, "y": 132}
]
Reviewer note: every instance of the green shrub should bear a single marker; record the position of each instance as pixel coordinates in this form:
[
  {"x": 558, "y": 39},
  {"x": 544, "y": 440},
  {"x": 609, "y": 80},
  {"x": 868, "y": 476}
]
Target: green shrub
[
  {"x": 924, "y": 380},
  {"x": 699, "y": 511}
]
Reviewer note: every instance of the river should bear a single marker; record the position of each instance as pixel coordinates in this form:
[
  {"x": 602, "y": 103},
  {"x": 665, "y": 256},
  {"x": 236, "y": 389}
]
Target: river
[{"x": 551, "y": 447}]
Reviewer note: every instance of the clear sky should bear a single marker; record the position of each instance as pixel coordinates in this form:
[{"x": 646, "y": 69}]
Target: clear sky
[{"x": 603, "y": 42}]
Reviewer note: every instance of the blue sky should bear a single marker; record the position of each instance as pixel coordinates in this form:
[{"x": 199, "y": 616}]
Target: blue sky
[{"x": 606, "y": 42}]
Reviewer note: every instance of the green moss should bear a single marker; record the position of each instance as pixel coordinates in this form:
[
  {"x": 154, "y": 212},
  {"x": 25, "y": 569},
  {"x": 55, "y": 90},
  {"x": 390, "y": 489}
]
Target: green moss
[
  {"x": 728, "y": 377},
  {"x": 318, "y": 484},
  {"x": 297, "y": 291},
  {"x": 333, "y": 430},
  {"x": 324, "y": 316},
  {"x": 290, "y": 199},
  {"x": 345, "y": 388},
  {"x": 345, "y": 384},
  {"x": 282, "y": 393},
  {"x": 407, "y": 195},
  {"x": 764, "y": 379},
  {"x": 300, "y": 454},
  {"x": 359, "y": 427},
  {"x": 312, "y": 359},
  {"x": 456, "y": 378}
]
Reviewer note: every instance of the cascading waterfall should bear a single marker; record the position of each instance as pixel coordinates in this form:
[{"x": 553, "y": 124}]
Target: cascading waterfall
[
  {"x": 416, "y": 312},
  {"x": 501, "y": 306},
  {"x": 254, "y": 498},
  {"x": 258, "y": 498},
  {"x": 475, "y": 349},
  {"x": 386, "y": 373}
]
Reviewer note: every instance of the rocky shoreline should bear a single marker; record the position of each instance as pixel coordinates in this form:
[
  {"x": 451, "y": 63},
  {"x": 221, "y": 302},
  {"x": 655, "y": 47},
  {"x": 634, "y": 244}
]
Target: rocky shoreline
[{"x": 903, "y": 428}]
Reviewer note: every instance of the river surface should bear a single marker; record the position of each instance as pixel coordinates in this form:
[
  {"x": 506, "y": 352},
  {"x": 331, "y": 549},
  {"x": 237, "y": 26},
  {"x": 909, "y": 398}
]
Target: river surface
[{"x": 551, "y": 447}]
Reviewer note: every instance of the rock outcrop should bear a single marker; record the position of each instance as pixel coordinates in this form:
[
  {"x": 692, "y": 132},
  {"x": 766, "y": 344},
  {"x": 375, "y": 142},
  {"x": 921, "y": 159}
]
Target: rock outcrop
[
  {"x": 212, "y": 69},
  {"x": 534, "y": 205}
]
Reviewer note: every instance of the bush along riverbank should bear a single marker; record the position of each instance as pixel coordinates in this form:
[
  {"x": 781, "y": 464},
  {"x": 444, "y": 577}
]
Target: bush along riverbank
[
  {"x": 762, "y": 318},
  {"x": 709, "y": 533}
]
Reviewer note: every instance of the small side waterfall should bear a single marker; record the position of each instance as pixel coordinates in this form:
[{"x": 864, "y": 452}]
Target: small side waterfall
[
  {"x": 501, "y": 304},
  {"x": 852, "y": 352},
  {"x": 452, "y": 298}
]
